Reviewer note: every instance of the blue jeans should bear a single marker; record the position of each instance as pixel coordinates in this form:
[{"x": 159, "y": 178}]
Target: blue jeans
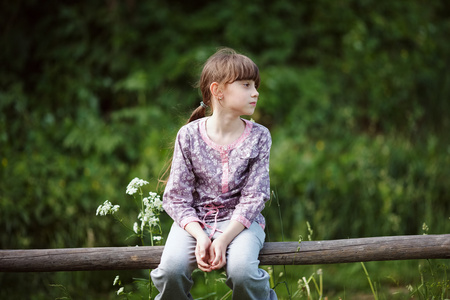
[{"x": 173, "y": 278}]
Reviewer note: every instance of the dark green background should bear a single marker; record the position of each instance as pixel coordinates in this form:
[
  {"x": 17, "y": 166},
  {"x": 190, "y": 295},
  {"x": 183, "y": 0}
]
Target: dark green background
[{"x": 356, "y": 94}]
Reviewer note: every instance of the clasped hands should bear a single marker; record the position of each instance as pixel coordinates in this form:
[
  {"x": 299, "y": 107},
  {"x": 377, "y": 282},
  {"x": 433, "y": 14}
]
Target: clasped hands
[{"x": 210, "y": 255}]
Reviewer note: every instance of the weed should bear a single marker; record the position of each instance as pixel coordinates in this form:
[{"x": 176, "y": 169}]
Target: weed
[
  {"x": 375, "y": 294},
  {"x": 434, "y": 282}
]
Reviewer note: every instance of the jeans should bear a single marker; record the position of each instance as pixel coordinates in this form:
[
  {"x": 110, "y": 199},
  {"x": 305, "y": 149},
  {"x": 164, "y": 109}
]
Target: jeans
[{"x": 173, "y": 278}]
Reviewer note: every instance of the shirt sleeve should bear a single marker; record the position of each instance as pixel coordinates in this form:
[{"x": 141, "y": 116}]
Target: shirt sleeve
[
  {"x": 178, "y": 195},
  {"x": 256, "y": 190}
]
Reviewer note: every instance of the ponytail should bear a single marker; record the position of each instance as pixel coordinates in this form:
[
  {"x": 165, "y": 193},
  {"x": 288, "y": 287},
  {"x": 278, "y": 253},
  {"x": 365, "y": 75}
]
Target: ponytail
[{"x": 199, "y": 112}]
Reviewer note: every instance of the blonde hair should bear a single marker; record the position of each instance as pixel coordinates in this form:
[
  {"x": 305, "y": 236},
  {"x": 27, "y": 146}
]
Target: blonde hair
[{"x": 224, "y": 67}]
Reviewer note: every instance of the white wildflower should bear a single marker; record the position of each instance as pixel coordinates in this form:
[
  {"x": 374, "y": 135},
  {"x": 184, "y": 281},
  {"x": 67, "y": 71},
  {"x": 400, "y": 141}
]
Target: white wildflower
[
  {"x": 153, "y": 202},
  {"x": 98, "y": 210},
  {"x": 134, "y": 185},
  {"x": 116, "y": 280},
  {"x": 131, "y": 190},
  {"x": 107, "y": 208},
  {"x": 157, "y": 238},
  {"x": 135, "y": 227},
  {"x": 120, "y": 291},
  {"x": 149, "y": 213},
  {"x": 153, "y": 221},
  {"x": 157, "y": 204},
  {"x": 115, "y": 208}
]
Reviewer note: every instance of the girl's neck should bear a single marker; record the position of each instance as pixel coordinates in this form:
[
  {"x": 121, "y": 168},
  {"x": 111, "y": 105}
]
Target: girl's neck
[{"x": 224, "y": 130}]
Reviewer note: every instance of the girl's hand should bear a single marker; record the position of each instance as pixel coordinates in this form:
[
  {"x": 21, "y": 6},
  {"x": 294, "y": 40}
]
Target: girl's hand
[
  {"x": 202, "y": 253},
  {"x": 202, "y": 247},
  {"x": 218, "y": 248},
  {"x": 218, "y": 254}
]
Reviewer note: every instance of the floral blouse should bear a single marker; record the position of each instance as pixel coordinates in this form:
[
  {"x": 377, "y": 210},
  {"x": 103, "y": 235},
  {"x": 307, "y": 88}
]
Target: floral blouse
[{"x": 210, "y": 182}]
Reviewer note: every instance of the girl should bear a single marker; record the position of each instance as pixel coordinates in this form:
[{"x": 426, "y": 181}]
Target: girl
[{"x": 218, "y": 184}]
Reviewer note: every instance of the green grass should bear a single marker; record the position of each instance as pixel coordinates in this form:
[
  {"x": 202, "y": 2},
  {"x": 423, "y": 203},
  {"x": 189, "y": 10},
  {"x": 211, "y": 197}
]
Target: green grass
[{"x": 423, "y": 279}]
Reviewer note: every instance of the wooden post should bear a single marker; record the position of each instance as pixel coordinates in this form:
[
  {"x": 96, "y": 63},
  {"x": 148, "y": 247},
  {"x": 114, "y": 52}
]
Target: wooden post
[{"x": 276, "y": 253}]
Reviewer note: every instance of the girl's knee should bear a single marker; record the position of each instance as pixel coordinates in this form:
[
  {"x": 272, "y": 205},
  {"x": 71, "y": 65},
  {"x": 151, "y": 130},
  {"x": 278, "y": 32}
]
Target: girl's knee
[
  {"x": 249, "y": 283},
  {"x": 172, "y": 283},
  {"x": 171, "y": 275},
  {"x": 169, "y": 272},
  {"x": 243, "y": 272}
]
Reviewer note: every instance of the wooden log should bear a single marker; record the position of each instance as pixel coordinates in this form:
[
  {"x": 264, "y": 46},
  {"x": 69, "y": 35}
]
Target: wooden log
[
  {"x": 80, "y": 259},
  {"x": 275, "y": 253},
  {"x": 357, "y": 250}
]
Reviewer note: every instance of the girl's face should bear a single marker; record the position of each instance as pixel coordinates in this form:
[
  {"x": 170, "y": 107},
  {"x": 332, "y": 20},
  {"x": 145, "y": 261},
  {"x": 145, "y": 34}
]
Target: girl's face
[{"x": 240, "y": 97}]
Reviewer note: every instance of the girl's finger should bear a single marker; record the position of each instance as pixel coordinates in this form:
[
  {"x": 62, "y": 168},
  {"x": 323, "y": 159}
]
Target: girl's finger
[
  {"x": 202, "y": 264},
  {"x": 208, "y": 269},
  {"x": 212, "y": 255},
  {"x": 200, "y": 253},
  {"x": 217, "y": 259},
  {"x": 220, "y": 261}
]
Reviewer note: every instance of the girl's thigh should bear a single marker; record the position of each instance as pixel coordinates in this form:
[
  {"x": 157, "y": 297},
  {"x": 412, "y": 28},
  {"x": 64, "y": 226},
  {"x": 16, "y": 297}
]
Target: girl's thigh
[
  {"x": 179, "y": 251},
  {"x": 244, "y": 249}
]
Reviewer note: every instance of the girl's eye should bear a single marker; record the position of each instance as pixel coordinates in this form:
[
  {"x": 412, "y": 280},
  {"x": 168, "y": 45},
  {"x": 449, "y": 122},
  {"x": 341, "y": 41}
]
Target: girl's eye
[{"x": 246, "y": 84}]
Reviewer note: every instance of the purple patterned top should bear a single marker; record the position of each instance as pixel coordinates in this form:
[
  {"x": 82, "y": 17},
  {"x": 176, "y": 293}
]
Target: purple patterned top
[{"x": 206, "y": 176}]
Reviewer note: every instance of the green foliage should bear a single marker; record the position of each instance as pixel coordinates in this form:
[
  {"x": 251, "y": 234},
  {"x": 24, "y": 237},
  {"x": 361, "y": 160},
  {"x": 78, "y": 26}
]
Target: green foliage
[
  {"x": 355, "y": 94},
  {"x": 434, "y": 282},
  {"x": 384, "y": 186}
]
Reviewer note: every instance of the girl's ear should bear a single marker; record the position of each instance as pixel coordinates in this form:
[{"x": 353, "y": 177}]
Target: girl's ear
[{"x": 216, "y": 90}]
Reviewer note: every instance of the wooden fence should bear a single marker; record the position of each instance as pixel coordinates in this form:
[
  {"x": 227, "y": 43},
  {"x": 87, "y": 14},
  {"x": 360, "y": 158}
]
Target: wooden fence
[{"x": 275, "y": 253}]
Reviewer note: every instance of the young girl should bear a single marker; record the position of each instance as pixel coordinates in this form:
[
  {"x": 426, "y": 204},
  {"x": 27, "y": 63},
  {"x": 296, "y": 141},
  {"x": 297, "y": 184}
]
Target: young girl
[{"x": 218, "y": 184}]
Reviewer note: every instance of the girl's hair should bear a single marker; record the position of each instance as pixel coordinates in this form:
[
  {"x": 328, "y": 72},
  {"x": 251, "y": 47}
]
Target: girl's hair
[{"x": 225, "y": 66}]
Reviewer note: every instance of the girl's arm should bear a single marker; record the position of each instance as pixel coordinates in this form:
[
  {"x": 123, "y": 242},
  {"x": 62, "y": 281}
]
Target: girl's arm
[
  {"x": 256, "y": 190},
  {"x": 218, "y": 248},
  {"x": 177, "y": 198}
]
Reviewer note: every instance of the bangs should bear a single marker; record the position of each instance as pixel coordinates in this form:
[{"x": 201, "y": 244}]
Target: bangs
[{"x": 242, "y": 68}]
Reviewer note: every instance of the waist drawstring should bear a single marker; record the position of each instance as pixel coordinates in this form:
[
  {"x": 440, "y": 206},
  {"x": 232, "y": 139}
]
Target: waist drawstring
[{"x": 212, "y": 210}]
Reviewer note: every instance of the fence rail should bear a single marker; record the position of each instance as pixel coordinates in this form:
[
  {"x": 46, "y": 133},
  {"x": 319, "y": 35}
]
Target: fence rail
[{"x": 273, "y": 253}]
